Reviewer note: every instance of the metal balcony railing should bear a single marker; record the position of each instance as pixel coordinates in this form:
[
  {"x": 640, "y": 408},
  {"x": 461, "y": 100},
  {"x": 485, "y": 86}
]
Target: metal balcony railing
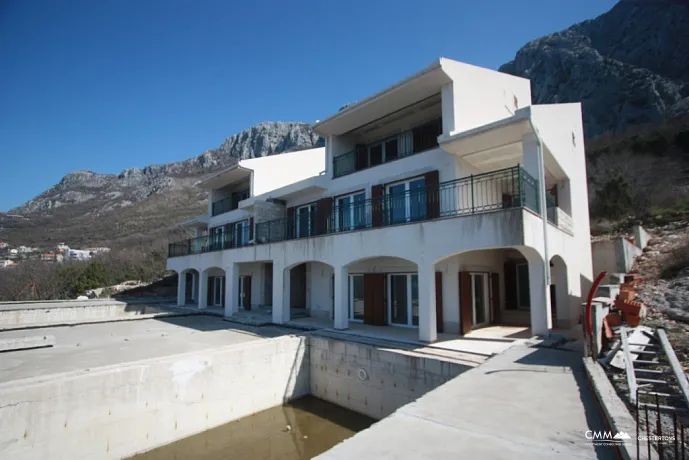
[
  {"x": 227, "y": 204},
  {"x": 503, "y": 189}
]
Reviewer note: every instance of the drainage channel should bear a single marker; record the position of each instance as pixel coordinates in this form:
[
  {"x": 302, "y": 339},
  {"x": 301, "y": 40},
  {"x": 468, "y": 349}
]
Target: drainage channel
[{"x": 301, "y": 429}]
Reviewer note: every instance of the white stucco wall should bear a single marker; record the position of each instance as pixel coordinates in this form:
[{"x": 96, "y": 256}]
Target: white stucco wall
[
  {"x": 275, "y": 171},
  {"x": 319, "y": 295},
  {"x": 481, "y": 96}
]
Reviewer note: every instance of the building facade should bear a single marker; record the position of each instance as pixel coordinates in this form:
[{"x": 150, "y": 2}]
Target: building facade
[{"x": 446, "y": 202}]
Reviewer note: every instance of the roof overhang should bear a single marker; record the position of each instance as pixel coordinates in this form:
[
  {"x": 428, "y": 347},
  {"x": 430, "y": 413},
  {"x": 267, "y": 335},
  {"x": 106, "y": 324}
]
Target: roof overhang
[
  {"x": 418, "y": 87},
  {"x": 228, "y": 176},
  {"x": 197, "y": 222},
  {"x": 498, "y": 145},
  {"x": 311, "y": 185}
]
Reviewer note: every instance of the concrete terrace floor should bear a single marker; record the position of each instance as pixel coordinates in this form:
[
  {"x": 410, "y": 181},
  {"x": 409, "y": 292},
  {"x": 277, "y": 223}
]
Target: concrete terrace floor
[
  {"x": 527, "y": 402},
  {"x": 88, "y": 346}
]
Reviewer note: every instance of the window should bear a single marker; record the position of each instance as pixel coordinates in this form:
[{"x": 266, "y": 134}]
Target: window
[
  {"x": 306, "y": 220},
  {"x": 403, "y": 299},
  {"x": 350, "y": 212},
  {"x": 356, "y": 297},
  {"x": 406, "y": 201},
  {"x": 523, "y": 295}
]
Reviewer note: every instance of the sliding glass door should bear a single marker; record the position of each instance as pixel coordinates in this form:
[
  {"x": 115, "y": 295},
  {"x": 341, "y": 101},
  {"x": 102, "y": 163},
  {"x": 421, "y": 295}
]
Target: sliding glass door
[
  {"x": 403, "y": 299},
  {"x": 306, "y": 220}
]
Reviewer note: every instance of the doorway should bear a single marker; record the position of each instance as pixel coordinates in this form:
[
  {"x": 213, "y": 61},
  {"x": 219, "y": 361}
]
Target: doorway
[
  {"x": 217, "y": 291},
  {"x": 479, "y": 299},
  {"x": 403, "y": 299},
  {"x": 244, "y": 300}
]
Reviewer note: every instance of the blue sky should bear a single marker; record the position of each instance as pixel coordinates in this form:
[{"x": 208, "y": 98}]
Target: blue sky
[{"x": 110, "y": 84}]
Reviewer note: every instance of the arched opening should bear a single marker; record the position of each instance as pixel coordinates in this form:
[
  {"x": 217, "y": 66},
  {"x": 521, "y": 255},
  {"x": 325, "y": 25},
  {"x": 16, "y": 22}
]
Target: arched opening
[
  {"x": 309, "y": 291},
  {"x": 383, "y": 291},
  {"x": 487, "y": 292},
  {"x": 212, "y": 288},
  {"x": 188, "y": 287},
  {"x": 559, "y": 290}
]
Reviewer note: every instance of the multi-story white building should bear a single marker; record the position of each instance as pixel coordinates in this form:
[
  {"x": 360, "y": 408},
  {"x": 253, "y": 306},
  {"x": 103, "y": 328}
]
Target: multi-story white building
[{"x": 445, "y": 202}]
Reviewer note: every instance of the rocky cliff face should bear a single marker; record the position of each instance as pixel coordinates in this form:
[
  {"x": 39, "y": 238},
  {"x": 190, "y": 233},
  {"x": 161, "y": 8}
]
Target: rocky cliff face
[
  {"x": 106, "y": 192},
  {"x": 627, "y": 66}
]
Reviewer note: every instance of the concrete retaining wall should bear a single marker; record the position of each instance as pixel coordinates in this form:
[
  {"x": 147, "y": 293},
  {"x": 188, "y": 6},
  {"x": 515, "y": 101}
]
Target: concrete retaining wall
[
  {"x": 117, "y": 411},
  {"x": 19, "y": 314},
  {"x": 371, "y": 380}
]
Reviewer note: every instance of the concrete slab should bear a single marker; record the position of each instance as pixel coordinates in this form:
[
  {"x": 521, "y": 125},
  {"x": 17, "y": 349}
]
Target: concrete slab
[
  {"x": 101, "y": 344},
  {"x": 26, "y": 343},
  {"x": 524, "y": 403}
]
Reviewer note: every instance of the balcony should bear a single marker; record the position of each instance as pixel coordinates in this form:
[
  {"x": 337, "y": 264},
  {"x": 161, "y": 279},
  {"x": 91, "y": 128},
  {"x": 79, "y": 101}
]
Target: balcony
[
  {"x": 227, "y": 237},
  {"x": 503, "y": 189},
  {"x": 413, "y": 141},
  {"x": 493, "y": 191},
  {"x": 228, "y": 204}
]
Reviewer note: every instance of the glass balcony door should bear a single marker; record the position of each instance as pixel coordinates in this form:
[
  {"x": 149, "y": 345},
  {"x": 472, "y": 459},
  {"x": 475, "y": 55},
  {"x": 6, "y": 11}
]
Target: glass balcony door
[
  {"x": 306, "y": 220},
  {"x": 406, "y": 201},
  {"x": 350, "y": 212},
  {"x": 403, "y": 299}
]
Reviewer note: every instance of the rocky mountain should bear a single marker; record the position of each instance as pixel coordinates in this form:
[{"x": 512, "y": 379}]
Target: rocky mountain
[
  {"x": 107, "y": 192},
  {"x": 140, "y": 205},
  {"x": 627, "y": 66}
]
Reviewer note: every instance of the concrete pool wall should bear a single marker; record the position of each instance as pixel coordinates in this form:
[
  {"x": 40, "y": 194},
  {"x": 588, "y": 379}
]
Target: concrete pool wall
[
  {"x": 118, "y": 411},
  {"x": 19, "y": 315}
]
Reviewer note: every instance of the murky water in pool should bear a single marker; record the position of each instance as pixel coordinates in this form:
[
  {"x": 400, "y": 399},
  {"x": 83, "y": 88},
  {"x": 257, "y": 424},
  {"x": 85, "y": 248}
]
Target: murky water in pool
[{"x": 314, "y": 427}]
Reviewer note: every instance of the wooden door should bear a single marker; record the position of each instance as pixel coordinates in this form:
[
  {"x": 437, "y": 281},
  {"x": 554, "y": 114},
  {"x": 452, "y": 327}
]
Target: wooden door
[
  {"x": 465, "y": 304},
  {"x": 374, "y": 299},
  {"x": 247, "y": 292}
]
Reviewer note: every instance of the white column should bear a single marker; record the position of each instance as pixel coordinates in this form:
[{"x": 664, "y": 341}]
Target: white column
[
  {"x": 341, "y": 294},
  {"x": 203, "y": 290},
  {"x": 541, "y": 319},
  {"x": 281, "y": 294},
  {"x": 231, "y": 289},
  {"x": 428, "y": 331},
  {"x": 181, "y": 289}
]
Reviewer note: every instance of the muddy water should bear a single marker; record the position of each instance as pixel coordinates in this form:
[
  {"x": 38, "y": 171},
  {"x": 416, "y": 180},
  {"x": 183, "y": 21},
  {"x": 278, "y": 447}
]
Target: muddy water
[{"x": 301, "y": 429}]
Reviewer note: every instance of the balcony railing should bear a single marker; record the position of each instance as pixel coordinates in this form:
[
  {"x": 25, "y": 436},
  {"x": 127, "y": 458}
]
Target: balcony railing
[
  {"x": 228, "y": 239},
  {"x": 416, "y": 140},
  {"x": 503, "y": 189},
  {"x": 226, "y": 205}
]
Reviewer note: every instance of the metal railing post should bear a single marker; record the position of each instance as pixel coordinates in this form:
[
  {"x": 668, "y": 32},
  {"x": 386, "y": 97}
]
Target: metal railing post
[
  {"x": 519, "y": 185},
  {"x": 471, "y": 184}
]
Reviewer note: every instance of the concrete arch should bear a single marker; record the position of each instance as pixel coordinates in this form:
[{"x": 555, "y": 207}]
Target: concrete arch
[
  {"x": 306, "y": 261},
  {"x": 382, "y": 258},
  {"x": 504, "y": 269}
]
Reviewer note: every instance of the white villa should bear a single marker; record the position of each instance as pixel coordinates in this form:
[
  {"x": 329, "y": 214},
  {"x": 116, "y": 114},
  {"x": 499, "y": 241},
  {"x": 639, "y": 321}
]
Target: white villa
[{"x": 444, "y": 203}]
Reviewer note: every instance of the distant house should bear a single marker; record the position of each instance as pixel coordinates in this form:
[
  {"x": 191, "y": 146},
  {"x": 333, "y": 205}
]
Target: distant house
[
  {"x": 79, "y": 254},
  {"x": 100, "y": 250},
  {"x": 6, "y": 263},
  {"x": 62, "y": 247},
  {"x": 13, "y": 251},
  {"x": 52, "y": 257},
  {"x": 26, "y": 249},
  {"x": 3, "y": 245}
]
